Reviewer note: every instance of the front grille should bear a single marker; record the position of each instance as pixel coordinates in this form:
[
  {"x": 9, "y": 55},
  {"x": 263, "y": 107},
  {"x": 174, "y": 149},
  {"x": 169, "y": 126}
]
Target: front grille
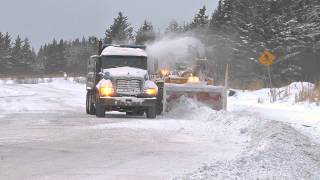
[{"x": 128, "y": 86}]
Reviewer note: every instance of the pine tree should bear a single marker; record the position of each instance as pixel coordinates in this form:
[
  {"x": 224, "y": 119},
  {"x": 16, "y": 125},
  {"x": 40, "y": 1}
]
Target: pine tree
[
  {"x": 145, "y": 33},
  {"x": 28, "y": 59},
  {"x": 200, "y": 19},
  {"x": 17, "y": 56},
  {"x": 217, "y": 17},
  {"x": 173, "y": 27},
  {"x": 120, "y": 32},
  {"x": 2, "y": 50},
  {"x": 228, "y": 10}
]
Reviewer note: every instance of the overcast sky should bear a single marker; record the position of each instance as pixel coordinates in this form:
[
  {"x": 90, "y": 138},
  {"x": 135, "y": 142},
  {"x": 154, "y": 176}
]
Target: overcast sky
[{"x": 43, "y": 20}]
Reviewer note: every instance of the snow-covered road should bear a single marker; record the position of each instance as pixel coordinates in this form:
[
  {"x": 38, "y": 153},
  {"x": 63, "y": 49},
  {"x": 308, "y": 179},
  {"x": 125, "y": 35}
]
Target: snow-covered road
[{"x": 45, "y": 134}]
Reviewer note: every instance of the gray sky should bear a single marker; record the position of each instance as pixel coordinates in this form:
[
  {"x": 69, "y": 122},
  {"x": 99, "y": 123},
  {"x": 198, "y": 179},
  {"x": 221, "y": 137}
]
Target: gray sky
[{"x": 43, "y": 20}]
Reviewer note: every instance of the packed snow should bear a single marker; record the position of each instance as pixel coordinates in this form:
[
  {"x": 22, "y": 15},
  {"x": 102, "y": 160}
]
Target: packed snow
[
  {"x": 45, "y": 134},
  {"x": 123, "y": 51}
]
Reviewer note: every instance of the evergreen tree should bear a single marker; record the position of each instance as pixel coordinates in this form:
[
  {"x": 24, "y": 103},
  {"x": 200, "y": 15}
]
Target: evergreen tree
[
  {"x": 200, "y": 19},
  {"x": 173, "y": 27},
  {"x": 7, "y": 59},
  {"x": 28, "y": 57},
  {"x": 145, "y": 33},
  {"x": 217, "y": 17},
  {"x": 17, "y": 56},
  {"x": 228, "y": 10},
  {"x": 120, "y": 32}
]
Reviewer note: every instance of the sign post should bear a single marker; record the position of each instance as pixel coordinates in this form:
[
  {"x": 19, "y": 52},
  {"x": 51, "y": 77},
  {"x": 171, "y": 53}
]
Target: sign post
[{"x": 267, "y": 59}]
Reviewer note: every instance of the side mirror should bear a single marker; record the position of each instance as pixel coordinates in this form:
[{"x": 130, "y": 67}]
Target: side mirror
[{"x": 100, "y": 75}]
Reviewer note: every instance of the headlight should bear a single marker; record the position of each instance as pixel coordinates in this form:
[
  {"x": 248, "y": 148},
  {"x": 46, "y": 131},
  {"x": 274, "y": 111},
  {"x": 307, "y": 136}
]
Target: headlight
[
  {"x": 164, "y": 72},
  {"x": 150, "y": 88},
  {"x": 151, "y": 92},
  {"x": 193, "y": 79},
  {"x": 106, "y": 88}
]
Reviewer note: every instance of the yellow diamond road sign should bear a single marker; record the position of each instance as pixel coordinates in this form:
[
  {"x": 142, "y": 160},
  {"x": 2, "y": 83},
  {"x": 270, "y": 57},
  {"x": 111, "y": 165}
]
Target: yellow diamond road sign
[{"x": 267, "y": 58}]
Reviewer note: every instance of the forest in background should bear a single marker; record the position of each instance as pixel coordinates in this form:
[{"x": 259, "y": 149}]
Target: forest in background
[{"x": 236, "y": 33}]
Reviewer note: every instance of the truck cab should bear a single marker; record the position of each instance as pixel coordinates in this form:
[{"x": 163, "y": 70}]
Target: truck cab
[{"x": 118, "y": 80}]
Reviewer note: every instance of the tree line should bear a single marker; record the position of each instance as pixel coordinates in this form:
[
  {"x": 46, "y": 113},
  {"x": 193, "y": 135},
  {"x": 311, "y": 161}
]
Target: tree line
[
  {"x": 237, "y": 32},
  {"x": 16, "y": 56}
]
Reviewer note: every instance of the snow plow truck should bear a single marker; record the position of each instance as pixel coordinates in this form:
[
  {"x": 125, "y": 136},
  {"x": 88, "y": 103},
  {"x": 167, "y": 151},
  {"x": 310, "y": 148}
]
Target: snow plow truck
[{"x": 119, "y": 79}]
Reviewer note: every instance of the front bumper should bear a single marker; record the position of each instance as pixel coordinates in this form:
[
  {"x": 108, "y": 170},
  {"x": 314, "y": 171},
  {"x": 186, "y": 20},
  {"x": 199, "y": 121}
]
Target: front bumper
[{"x": 127, "y": 101}]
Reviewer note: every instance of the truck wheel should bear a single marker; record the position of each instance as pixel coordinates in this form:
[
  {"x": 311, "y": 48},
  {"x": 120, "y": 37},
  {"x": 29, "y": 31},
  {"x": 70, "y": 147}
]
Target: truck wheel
[
  {"x": 90, "y": 109},
  {"x": 159, "y": 107},
  {"x": 100, "y": 110},
  {"x": 152, "y": 112}
]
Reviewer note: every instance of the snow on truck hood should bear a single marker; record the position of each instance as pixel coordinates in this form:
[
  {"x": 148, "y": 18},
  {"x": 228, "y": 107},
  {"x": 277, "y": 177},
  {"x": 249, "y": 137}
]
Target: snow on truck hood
[
  {"x": 126, "y": 71},
  {"x": 122, "y": 51}
]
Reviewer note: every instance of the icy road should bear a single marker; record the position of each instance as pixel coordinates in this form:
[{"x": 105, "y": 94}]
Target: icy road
[{"x": 45, "y": 134}]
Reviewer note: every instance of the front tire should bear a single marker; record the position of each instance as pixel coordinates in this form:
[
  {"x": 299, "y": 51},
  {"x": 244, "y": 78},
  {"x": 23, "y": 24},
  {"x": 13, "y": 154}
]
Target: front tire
[
  {"x": 90, "y": 109},
  {"x": 151, "y": 112},
  {"x": 100, "y": 110}
]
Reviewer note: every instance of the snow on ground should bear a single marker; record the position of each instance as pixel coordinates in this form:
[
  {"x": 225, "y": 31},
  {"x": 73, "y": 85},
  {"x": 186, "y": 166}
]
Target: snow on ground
[
  {"x": 23, "y": 98},
  {"x": 276, "y": 151},
  {"x": 305, "y": 117},
  {"x": 284, "y": 143},
  {"x": 45, "y": 134}
]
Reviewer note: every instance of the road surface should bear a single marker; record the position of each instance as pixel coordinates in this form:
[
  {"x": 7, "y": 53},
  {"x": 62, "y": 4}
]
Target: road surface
[{"x": 45, "y": 134}]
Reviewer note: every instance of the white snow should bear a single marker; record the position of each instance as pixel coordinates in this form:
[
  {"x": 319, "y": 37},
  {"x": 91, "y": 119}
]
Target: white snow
[
  {"x": 123, "y": 51},
  {"x": 45, "y": 134},
  {"x": 170, "y": 50},
  {"x": 126, "y": 72}
]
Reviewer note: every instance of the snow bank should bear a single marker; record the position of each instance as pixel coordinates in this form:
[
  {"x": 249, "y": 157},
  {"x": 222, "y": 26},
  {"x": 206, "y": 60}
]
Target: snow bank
[
  {"x": 49, "y": 97},
  {"x": 285, "y": 95},
  {"x": 304, "y": 117},
  {"x": 122, "y": 51},
  {"x": 40, "y": 80},
  {"x": 276, "y": 151}
]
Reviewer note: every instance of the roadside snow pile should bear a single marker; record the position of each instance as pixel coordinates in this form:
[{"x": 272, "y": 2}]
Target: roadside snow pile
[
  {"x": 58, "y": 95},
  {"x": 12, "y": 92},
  {"x": 284, "y": 95},
  {"x": 305, "y": 117},
  {"x": 276, "y": 151},
  {"x": 39, "y": 80},
  {"x": 189, "y": 109},
  {"x": 191, "y": 117}
]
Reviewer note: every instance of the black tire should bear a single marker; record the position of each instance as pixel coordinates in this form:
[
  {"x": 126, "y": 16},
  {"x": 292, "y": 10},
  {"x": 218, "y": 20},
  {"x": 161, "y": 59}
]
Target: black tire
[
  {"x": 90, "y": 109},
  {"x": 159, "y": 107},
  {"x": 160, "y": 98},
  {"x": 100, "y": 110},
  {"x": 152, "y": 112}
]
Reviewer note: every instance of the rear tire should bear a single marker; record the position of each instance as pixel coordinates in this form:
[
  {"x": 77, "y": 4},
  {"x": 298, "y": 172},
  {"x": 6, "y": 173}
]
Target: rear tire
[
  {"x": 152, "y": 112},
  {"x": 90, "y": 109},
  {"x": 100, "y": 110}
]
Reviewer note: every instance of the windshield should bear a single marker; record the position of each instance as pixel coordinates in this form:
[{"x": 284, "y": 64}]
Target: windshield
[{"x": 121, "y": 61}]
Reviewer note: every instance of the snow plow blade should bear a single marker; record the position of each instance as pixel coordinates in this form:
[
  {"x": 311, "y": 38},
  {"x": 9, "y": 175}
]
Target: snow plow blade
[{"x": 214, "y": 97}]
